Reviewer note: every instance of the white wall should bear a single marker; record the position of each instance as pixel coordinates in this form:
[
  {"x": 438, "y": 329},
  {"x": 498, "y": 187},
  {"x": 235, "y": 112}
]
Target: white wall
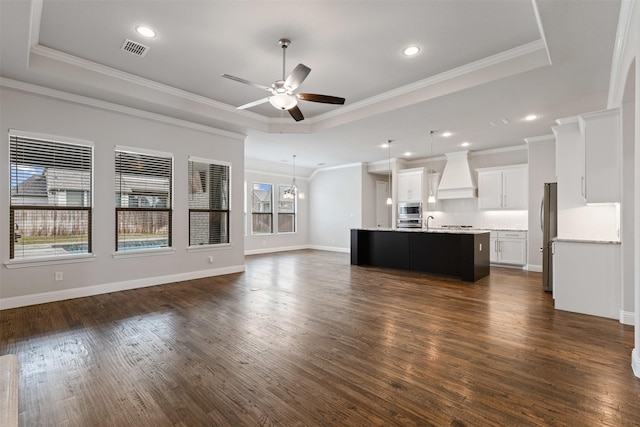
[
  {"x": 542, "y": 168},
  {"x": 278, "y": 241},
  {"x": 335, "y": 206},
  {"x": 369, "y": 198},
  {"x": 626, "y": 64},
  {"x": 627, "y": 220},
  {"x": 107, "y": 128}
]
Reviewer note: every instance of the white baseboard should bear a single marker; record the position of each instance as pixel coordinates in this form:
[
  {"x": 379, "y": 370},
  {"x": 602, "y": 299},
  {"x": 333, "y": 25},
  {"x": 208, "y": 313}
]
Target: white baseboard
[
  {"x": 635, "y": 361},
  {"x": 330, "y": 248},
  {"x": 627, "y": 317},
  {"x": 44, "y": 297},
  {"x": 534, "y": 267},
  {"x": 273, "y": 250}
]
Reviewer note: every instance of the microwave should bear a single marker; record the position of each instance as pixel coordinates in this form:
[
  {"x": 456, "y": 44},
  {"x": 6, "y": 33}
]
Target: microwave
[
  {"x": 410, "y": 210},
  {"x": 409, "y": 222}
]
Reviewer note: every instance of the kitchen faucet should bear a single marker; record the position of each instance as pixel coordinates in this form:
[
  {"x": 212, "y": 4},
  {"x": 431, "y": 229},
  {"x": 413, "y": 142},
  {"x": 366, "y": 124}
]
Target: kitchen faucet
[{"x": 428, "y": 218}]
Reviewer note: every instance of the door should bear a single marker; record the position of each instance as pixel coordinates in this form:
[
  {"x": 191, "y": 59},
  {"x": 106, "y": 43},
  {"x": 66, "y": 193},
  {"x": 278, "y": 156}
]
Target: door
[{"x": 382, "y": 209}]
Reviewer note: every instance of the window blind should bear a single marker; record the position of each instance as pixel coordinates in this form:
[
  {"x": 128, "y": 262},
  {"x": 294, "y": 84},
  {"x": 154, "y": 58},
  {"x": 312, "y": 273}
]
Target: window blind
[
  {"x": 51, "y": 197},
  {"x": 209, "y": 189},
  {"x": 143, "y": 184}
]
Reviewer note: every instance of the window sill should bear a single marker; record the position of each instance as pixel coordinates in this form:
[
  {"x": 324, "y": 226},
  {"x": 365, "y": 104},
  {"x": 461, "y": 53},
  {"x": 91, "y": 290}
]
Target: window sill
[
  {"x": 37, "y": 262},
  {"x": 136, "y": 253},
  {"x": 203, "y": 248}
]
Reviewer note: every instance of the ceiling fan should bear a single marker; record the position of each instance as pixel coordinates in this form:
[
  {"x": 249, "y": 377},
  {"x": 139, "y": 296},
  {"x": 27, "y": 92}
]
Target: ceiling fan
[{"x": 283, "y": 95}]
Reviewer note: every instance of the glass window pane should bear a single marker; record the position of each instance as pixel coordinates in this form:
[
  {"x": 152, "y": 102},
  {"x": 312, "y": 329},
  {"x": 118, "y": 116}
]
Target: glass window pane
[
  {"x": 142, "y": 229},
  {"x": 44, "y": 233},
  {"x": 51, "y": 196},
  {"x": 209, "y": 190},
  {"x": 261, "y": 208},
  {"x": 286, "y": 223},
  {"x": 143, "y": 184}
]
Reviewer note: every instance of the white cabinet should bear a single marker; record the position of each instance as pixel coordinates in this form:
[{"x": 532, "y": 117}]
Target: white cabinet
[
  {"x": 601, "y": 178},
  {"x": 569, "y": 165},
  {"x": 503, "y": 188},
  {"x": 508, "y": 247},
  {"x": 411, "y": 185},
  {"x": 586, "y": 278}
]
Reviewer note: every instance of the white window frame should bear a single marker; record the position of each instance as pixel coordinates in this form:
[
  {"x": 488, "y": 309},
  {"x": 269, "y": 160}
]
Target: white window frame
[
  {"x": 53, "y": 259},
  {"x": 229, "y": 201},
  {"x": 271, "y": 212}
]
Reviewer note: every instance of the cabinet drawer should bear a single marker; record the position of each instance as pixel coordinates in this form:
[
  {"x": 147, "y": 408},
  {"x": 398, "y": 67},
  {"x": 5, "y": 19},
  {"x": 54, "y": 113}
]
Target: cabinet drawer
[{"x": 512, "y": 234}]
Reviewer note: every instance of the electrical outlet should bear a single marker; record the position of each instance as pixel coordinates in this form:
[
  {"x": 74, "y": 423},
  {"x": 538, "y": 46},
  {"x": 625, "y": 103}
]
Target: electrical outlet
[
  {"x": 211, "y": 259},
  {"x": 59, "y": 276}
]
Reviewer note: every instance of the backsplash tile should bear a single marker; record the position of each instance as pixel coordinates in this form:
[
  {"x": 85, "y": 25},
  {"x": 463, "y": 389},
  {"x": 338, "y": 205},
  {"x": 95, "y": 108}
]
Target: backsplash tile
[{"x": 466, "y": 212}]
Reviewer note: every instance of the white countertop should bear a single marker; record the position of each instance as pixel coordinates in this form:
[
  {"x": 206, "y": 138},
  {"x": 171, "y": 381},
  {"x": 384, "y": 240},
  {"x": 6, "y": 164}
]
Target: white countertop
[
  {"x": 604, "y": 242},
  {"x": 430, "y": 230}
]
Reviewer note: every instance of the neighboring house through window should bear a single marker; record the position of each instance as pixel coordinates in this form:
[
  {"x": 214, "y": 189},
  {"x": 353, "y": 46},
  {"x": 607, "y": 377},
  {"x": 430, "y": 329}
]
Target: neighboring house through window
[
  {"x": 209, "y": 189},
  {"x": 50, "y": 211},
  {"x": 144, "y": 200},
  {"x": 261, "y": 208},
  {"x": 286, "y": 209}
]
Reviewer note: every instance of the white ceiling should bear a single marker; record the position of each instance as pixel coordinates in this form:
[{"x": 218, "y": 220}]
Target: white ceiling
[{"x": 481, "y": 61}]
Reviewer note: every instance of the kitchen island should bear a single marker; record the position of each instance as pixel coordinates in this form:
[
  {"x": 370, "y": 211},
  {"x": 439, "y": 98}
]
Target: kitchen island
[{"x": 456, "y": 253}]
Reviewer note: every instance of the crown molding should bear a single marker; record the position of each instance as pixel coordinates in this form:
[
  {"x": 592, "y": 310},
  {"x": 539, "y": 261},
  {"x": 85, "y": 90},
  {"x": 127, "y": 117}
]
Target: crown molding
[
  {"x": 539, "y": 138},
  {"x": 497, "y": 59},
  {"x": 109, "y": 106}
]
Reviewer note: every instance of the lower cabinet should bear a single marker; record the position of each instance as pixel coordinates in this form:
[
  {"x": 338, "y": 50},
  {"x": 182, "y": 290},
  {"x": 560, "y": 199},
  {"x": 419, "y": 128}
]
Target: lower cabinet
[
  {"x": 508, "y": 247},
  {"x": 586, "y": 278}
]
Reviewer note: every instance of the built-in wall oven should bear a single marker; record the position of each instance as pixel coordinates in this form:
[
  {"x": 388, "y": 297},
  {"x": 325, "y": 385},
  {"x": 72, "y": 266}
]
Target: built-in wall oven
[{"x": 410, "y": 215}]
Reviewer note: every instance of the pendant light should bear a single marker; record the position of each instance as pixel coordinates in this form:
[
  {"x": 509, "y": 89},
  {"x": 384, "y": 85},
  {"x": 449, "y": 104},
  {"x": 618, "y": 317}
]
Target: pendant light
[
  {"x": 389, "y": 199},
  {"x": 431, "y": 198},
  {"x": 290, "y": 193}
]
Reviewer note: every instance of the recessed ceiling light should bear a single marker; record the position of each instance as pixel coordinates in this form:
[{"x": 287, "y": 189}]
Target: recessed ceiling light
[
  {"x": 410, "y": 50},
  {"x": 465, "y": 144},
  {"x": 446, "y": 134},
  {"x": 407, "y": 154},
  {"x": 385, "y": 145},
  {"x": 145, "y": 31},
  {"x": 531, "y": 117}
]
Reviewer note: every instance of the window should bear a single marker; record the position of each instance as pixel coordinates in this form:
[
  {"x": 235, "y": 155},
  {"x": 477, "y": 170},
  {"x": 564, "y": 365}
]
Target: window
[
  {"x": 51, "y": 192},
  {"x": 286, "y": 210},
  {"x": 209, "y": 189},
  {"x": 143, "y": 199},
  {"x": 261, "y": 210}
]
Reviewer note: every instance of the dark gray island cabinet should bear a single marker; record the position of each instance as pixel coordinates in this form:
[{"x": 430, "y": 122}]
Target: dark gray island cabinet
[{"x": 462, "y": 254}]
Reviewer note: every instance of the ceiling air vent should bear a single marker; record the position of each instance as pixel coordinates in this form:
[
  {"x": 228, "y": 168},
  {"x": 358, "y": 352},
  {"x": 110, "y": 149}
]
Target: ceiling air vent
[{"x": 134, "y": 48}]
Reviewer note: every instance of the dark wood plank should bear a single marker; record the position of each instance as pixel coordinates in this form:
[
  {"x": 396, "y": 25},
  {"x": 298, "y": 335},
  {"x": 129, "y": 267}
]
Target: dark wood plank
[{"x": 305, "y": 339}]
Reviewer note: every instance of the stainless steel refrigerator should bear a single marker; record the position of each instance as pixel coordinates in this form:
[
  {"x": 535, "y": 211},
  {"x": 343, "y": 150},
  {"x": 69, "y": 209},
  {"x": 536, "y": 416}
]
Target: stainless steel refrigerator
[{"x": 549, "y": 225}]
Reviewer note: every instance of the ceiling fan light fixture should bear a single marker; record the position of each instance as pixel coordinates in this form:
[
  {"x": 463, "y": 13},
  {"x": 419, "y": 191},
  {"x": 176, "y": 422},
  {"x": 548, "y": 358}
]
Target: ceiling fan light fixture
[{"x": 283, "y": 101}]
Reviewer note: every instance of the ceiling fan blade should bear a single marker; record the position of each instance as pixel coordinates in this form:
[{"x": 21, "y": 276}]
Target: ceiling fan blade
[
  {"x": 296, "y": 113},
  {"x": 253, "y": 104},
  {"x": 247, "y": 82},
  {"x": 326, "y": 99},
  {"x": 297, "y": 76}
]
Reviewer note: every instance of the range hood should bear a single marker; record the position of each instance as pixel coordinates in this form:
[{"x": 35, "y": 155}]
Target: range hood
[{"x": 457, "y": 180}]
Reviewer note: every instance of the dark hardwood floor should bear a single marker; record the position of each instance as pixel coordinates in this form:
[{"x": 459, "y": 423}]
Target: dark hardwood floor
[{"x": 305, "y": 339}]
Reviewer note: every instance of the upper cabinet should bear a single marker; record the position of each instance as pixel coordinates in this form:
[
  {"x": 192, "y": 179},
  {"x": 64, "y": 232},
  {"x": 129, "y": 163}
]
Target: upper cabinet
[
  {"x": 411, "y": 184},
  {"x": 503, "y": 187},
  {"x": 601, "y": 178}
]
